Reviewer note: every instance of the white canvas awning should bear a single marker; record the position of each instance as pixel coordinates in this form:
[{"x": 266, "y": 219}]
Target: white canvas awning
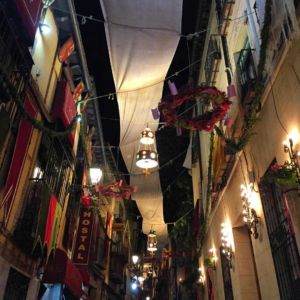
[{"x": 142, "y": 37}]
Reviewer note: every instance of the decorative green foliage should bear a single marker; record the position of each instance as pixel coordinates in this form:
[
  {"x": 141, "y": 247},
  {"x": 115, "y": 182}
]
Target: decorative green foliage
[
  {"x": 182, "y": 233},
  {"x": 235, "y": 145},
  {"x": 284, "y": 175},
  {"x": 209, "y": 262},
  {"x": 15, "y": 96}
]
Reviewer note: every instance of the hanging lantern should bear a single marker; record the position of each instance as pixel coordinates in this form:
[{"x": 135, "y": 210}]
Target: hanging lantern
[
  {"x": 147, "y": 137},
  {"x": 146, "y": 157},
  {"x": 152, "y": 241}
]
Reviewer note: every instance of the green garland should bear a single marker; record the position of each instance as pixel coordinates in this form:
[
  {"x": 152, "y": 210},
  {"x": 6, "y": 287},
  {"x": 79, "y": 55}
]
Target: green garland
[
  {"x": 204, "y": 228},
  {"x": 234, "y": 145},
  {"x": 12, "y": 94}
]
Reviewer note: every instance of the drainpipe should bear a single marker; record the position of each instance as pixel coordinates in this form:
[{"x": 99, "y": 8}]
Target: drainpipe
[{"x": 86, "y": 73}]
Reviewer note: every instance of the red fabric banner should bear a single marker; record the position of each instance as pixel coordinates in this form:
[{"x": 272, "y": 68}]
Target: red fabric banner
[
  {"x": 108, "y": 219},
  {"x": 50, "y": 220},
  {"x": 30, "y": 12},
  {"x": 65, "y": 107},
  {"x": 21, "y": 147}
]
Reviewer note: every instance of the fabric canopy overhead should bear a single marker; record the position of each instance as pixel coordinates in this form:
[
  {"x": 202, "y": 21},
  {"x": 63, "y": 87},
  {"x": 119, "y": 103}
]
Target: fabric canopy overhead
[{"x": 142, "y": 37}]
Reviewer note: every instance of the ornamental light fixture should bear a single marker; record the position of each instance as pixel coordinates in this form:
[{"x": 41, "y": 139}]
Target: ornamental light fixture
[
  {"x": 152, "y": 241},
  {"x": 141, "y": 279},
  {"x": 95, "y": 175},
  {"x": 250, "y": 216},
  {"x": 146, "y": 157},
  {"x": 147, "y": 137},
  {"x": 135, "y": 259},
  {"x": 225, "y": 244},
  {"x": 201, "y": 279},
  {"x": 44, "y": 28}
]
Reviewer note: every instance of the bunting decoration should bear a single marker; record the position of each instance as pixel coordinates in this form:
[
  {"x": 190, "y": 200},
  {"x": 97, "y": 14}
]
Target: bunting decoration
[
  {"x": 118, "y": 190},
  {"x": 172, "y": 88},
  {"x": 155, "y": 113},
  {"x": 208, "y": 95}
]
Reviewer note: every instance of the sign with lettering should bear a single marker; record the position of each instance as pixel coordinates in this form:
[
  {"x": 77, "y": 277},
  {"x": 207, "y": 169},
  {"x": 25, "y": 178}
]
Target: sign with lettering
[{"x": 84, "y": 237}]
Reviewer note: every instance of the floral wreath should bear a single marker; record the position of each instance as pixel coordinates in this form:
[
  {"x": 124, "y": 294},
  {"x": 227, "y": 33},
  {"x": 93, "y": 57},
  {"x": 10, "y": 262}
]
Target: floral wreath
[{"x": 206, "y": 121}]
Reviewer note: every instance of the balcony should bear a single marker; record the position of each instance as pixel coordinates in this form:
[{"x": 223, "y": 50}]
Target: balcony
[
  {"x": 247, "y": 74},
  {"x": 15, "y": 58},
  {"x": 213, "y": 58},
  {"x": 224, "y": 10},
  {"x": 222, "y": 167},
  {"x": 99, "y": 261},
  {"x": 25, "y": 232},
  {"x": 118, "y": 261}
]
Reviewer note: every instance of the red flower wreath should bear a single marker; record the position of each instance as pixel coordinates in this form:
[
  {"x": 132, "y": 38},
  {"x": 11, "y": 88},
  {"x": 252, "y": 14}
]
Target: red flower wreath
[{"x": 206, "y": 121}]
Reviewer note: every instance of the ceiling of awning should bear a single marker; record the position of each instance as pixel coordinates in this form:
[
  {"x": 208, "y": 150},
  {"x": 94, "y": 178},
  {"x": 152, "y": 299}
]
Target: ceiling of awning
[{"x": 142, "y": 37}]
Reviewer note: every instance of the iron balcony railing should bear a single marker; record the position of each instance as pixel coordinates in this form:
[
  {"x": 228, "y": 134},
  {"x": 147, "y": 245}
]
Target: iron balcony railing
[
  {"x": 16, "y": 61},
  {"x": 25, "y": 231},
  {"x": 247, "y": 74},
  {"x": 212, "y": 56},
  {"x": 221, "y": 8}
]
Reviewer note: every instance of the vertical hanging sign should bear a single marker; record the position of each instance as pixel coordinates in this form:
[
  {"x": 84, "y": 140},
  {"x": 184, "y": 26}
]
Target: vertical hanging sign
[{"x": 84, "y": 237}]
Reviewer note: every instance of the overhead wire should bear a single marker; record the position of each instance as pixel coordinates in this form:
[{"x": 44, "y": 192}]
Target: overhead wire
[
  {"x": 187, "y": 36},
  {"x": 276, "y": 111}
]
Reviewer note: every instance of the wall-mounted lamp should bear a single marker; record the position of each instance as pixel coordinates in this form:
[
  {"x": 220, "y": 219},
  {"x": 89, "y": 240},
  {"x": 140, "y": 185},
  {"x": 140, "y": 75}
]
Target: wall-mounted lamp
[
  {"x": 225, "y": 242},
  {"x": 250, "y": 216},
  {"x": 44, "y": 28},
  {"x": 135, "y": 259},
  {"x": 201, "y": 279},
  {"x": 95, "y": 175}
]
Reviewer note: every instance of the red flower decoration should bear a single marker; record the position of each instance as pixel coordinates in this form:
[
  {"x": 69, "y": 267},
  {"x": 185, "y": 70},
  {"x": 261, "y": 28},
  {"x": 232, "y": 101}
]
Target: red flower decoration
[{"x": 206, "y": 121}]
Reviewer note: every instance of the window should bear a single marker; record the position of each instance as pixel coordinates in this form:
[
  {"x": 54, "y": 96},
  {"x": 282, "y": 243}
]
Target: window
[
  {"x": 247, "y": 72},
  {"x": 16, "y": 286},
  {"x": 282, "y": 240},
  {"x": 14, "y": 72},
  {"x": 56, "y": 164}
]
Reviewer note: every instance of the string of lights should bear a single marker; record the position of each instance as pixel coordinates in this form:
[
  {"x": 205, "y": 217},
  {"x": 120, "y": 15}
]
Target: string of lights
[
  {"x": 85, "y": 18},
  {"x": 168, "y": 163},
  {"x": 111, "y": 96}
]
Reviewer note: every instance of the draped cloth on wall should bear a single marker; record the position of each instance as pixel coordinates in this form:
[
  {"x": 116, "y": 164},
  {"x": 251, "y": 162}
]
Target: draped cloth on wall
[{"x": 140, "y": 55}]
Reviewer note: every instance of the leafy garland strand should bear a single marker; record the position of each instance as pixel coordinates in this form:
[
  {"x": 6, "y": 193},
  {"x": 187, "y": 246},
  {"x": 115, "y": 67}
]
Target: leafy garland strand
[
  {"x": 12, "y": 93},
  {"x": 233, "y": 145},
  {"x": 204, "y": 227}
]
